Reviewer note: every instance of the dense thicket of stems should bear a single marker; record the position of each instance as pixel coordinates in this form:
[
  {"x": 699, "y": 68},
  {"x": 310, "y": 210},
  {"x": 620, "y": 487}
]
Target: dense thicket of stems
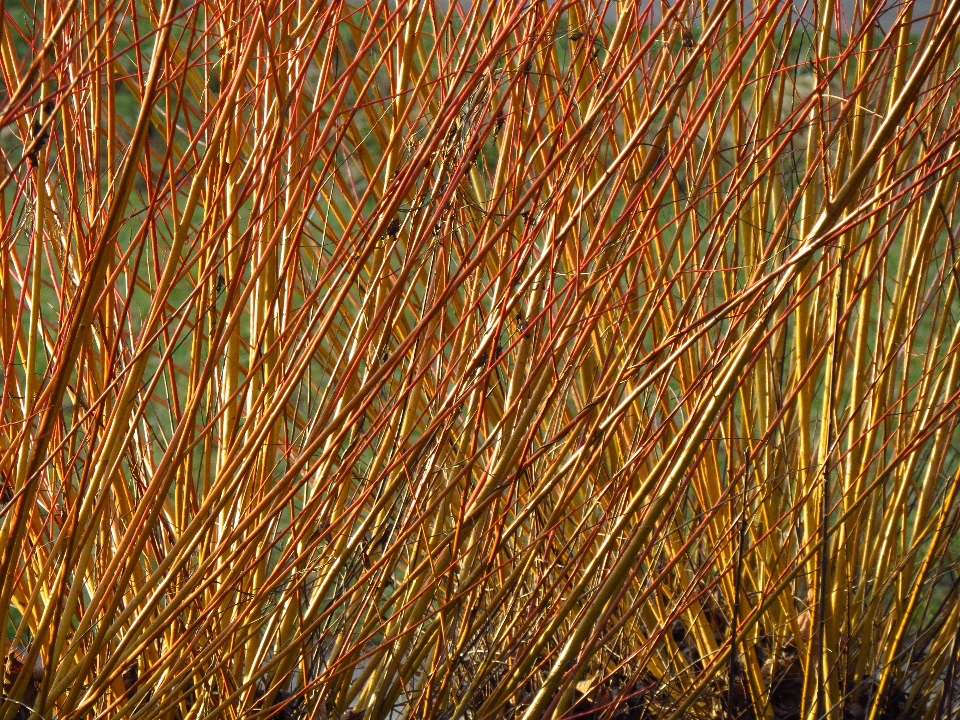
[{"x": 446, "y": 360}]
